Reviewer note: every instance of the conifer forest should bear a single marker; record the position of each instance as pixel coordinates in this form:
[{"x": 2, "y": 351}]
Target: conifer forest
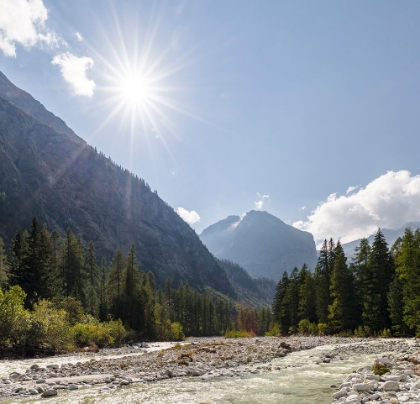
[{"x": 56, "y": 296}]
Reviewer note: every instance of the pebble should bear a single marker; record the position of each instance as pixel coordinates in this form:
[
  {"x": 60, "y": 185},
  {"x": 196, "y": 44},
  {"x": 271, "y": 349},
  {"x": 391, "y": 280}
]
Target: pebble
[{"x": 400, "y": 385}]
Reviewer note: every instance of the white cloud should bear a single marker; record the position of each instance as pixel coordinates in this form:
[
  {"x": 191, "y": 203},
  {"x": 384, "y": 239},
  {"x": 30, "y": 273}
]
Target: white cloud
[
  {"x": 390, "y": 201},
  {"x": 190, "y": 217},
  {"x": 350, "y": 189},
  {"x": 23, "y": 22},
  {"x": 73, "y": 69},
  {"x": 259, "y": 204},
  {"x": 79, "y": 36},
  {"x": 302, "y": 208}
]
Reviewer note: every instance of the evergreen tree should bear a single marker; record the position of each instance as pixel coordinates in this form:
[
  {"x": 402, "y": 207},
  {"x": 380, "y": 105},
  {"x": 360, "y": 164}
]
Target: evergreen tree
[
  {"x": 381, "y": 272},
  {"x": 3, "y": 267},
  {"x": 73, "y": 267},
  {"x": 103, "y": 301},
  {"x": 408, "y": 277},
  {"x": 279, "y": 306},
  {"x": 115, "y": 284},
  {"x": 341, "y": 311},
  {"x": 93, "y": 278},
  {"x": 323, "y": 272},
  {"x": 307, "y": 299},
  {"x": 291, "y": 308},
  {"x": 16, "y": 260}
]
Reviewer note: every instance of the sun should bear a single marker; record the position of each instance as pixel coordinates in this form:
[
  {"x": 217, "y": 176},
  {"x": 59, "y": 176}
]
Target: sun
[{"x": 136, "y": 90}]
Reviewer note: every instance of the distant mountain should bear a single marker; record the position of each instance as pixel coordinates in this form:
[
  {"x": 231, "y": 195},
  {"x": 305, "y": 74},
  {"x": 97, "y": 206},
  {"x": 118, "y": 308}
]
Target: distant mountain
[
  {"x": 260, "y": 243},
  {"x": 250, "y": 291},
  {"x": 390, "y": 236},
  {"x": 47, "y": 171}
]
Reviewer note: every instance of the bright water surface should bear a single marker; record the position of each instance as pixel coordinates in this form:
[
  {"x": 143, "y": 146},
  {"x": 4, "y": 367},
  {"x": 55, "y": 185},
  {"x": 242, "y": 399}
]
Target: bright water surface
[{"x": 303, "y": 381}]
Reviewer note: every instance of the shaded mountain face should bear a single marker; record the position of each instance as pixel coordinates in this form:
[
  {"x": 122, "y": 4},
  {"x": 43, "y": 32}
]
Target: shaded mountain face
[
  {"x": 252, "y": 292},
  {"x": 261, "y": 243},
  {"x": 48, "y": 172},
  {"x": 389, "y": 234}
]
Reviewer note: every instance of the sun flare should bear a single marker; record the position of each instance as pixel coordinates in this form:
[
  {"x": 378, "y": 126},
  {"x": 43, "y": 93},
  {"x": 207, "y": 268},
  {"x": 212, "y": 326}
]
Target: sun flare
[{"x": 136, "y": 90}]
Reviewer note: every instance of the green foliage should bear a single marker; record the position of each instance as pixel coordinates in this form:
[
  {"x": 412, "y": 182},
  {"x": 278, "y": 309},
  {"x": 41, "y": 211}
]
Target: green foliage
[
  {"x": 53, "y": 326},
  {"x": 239, "y": 334},
  {"x": 379, "y": 368},
  {"x": 305, "y": 327},
  {"x": 273, "y": 332}
]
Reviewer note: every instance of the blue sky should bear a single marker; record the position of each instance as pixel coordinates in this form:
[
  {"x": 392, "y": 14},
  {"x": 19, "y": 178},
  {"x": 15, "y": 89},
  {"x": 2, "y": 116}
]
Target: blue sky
[{"x": 282, "y": 106}]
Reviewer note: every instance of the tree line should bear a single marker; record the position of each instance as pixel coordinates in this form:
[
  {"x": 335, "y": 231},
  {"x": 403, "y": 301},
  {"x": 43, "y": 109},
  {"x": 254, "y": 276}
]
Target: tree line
[
  {"x": 375, "y": 294},
  {"x": 43, "y": 270}
]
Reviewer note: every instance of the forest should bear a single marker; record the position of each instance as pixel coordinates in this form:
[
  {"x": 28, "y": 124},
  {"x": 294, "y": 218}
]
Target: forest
[
  {"x": 55, "y": 296},
  {"x": 376, "y": 294}
]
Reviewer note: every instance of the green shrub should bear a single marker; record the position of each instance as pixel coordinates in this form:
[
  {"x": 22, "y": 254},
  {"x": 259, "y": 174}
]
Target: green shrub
[
  {"x": 379, "y": 368},
  {"x": 274, "y": 332},
  {"x": 239, "y": 334}
]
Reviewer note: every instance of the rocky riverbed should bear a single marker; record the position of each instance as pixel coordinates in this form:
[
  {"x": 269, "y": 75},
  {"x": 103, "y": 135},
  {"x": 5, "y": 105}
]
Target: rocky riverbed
[
  {"x": 399, "y": 384},
  {"x": 202, "y": 358}
]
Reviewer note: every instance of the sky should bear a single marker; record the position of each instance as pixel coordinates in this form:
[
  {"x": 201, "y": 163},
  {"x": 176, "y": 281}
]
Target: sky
[{"x": 307, "y": 110}]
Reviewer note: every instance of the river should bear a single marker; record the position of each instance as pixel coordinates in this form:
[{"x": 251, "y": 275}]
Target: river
[{"x": 296, "y": 378}]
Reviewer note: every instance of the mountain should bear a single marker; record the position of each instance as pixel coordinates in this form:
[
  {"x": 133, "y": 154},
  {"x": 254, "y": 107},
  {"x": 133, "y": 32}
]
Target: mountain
[
  {"x": 260, "y": 243},
  {"x": 390, "y": 236},
  {"x": 47, "y": 171},
  {"x": 250, "y": 291}
]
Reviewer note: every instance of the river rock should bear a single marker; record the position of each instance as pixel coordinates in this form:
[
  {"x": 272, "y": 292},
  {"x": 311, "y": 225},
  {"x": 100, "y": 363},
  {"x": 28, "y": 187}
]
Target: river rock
[
  {"x": 361, "y": 387},
  {"x": 49, "y": 393},
  {"x": 391, "y": 385}
]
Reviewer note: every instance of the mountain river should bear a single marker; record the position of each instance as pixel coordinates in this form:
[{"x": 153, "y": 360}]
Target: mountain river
[{"x": 300, "y": 377}]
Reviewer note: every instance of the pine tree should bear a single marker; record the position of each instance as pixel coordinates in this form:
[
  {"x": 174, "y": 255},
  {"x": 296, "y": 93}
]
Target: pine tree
[
  {"x": 17, "y": 260},
  {"x": 408, "y": 275},
  {"x": 291, "y": 308},
  {"x": 93, "y": 278},
  {"x": 279, "y": 306},
  {"x": 322, "y": 278},
  {"x": 103, "y": 301},
  {"x": 73, "y": 267},
  {"x": 115, "y": 284},
  {"x": 3, "y": 267},
  {"x": 307, "y": 299},
  {"x": 341, "y": 310},
  {"x": 377, "y": 279}
]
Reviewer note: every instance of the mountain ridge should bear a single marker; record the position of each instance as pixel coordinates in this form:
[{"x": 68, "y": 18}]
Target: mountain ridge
[
  {"x": 261, "y": 243},
  {"x": 57, "y": 177}
]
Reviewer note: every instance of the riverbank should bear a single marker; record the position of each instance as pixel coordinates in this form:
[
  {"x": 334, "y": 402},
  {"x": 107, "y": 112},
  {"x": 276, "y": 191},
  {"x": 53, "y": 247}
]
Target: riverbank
[
  {"x": 399, "y": 384},
  {"x": 203, "y": 358}
]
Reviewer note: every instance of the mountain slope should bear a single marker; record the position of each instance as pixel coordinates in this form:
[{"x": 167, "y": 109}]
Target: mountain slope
[
  {"x": 390, "y": 236},
  {"x": 252, "y": 292},
  {"x": 64, "y": 182},
  {"x": 261, "y": 243}
]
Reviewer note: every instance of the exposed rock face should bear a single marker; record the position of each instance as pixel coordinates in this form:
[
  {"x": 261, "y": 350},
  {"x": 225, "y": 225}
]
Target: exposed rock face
[
  {"x": 48, "y": 172},
  {"x": 261, "y": 243}
]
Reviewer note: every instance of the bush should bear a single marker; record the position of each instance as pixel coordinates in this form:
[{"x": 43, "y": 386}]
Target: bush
[
  {"x": 239, "y": 334},
  {"x": 274, "y": 332},
  {"x": 379, "y": 368}
]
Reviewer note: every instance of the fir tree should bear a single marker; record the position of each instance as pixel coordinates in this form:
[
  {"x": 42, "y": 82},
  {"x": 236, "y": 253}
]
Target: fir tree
[{"x": 341, "y": 311}]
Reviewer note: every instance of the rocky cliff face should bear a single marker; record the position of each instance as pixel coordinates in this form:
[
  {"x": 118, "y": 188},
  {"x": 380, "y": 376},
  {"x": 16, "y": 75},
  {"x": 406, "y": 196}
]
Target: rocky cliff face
[
  {"x": 49, "y": 172},
  {"x": 261, "y": 243}
]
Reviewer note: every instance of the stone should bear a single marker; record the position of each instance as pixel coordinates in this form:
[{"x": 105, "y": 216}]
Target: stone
[
  {"x": 391, "y": 385},
  {"x": 361, "y": 387},
  {"x": 49, "y": 393},
  {"x": 339, "y": 394}
]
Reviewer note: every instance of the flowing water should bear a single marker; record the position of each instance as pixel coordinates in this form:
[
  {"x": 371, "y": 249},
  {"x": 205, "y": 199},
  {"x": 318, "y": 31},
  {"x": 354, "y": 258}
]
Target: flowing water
[{"x": 300, "y": 380}]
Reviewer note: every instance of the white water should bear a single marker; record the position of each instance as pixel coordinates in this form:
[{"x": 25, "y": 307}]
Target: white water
[{"x": 300, "y": 380}]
